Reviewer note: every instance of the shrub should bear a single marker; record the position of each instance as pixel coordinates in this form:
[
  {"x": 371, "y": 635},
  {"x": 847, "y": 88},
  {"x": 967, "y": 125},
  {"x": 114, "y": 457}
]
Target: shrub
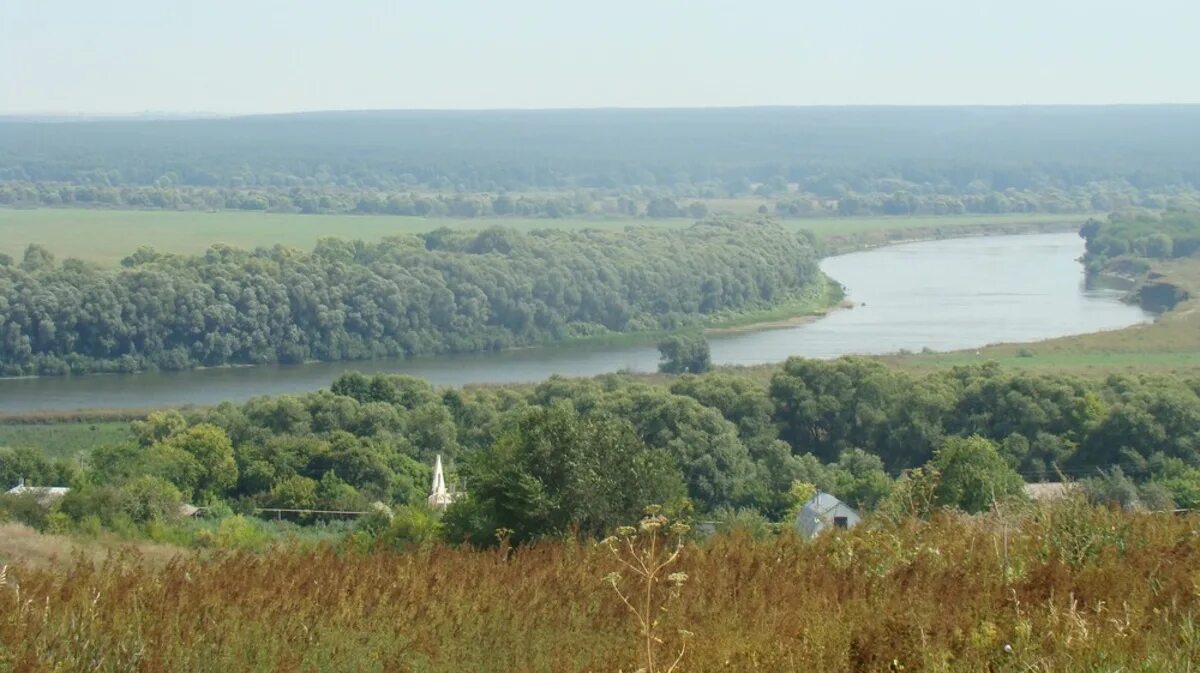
[
  {"x": 150, "y": 499},
  {"x": 411, "y": 526},
  {"x": 23, "y": 509},
  {"x": 684, "y": 354},
  {"x": 240, "y": 532},
  {"x": 974, "y": 475}
]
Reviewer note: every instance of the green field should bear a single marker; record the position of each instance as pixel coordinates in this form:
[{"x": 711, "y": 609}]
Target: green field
[
  {"x": 106, "y": 236},
  {"x": 64, "y": 440}
]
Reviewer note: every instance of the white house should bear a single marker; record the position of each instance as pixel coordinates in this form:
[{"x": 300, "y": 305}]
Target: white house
[
  {"x": 1054, "y": 490},
  {"x": 45, "y": 495},
  {"x": 825, "y": 511}
]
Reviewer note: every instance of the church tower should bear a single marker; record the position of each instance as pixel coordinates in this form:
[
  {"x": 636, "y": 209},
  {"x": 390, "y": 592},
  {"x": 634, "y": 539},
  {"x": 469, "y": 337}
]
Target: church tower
[{"x": 439, "y": 497}]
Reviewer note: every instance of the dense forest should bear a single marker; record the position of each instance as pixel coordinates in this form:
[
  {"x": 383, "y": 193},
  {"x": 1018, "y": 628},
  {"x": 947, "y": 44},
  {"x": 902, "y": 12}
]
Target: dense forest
[
  {"x": 443, "y": 291},
  {"x": 841, "y": 160},
  {"x": 776, "y": 197},
  {"x": 586, "y": 455}
]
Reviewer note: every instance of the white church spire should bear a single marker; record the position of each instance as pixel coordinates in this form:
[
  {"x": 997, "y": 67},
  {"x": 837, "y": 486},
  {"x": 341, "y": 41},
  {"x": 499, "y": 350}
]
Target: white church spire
[
  {"x": 439, "y": 497},
  {"x": 439, "y": 479}
]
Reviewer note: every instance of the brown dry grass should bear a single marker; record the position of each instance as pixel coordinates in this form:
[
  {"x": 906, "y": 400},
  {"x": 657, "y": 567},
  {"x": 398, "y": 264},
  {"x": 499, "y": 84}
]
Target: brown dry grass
[
  {"x": 1072, "y": 590},
  {"x": 24, "y": 546}
]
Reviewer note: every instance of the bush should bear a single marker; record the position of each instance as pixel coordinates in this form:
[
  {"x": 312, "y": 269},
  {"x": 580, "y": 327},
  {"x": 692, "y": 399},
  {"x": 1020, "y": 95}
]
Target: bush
[
  {"x": 1112, "y": 488},
  {"x": 974, "y": 475},
  {"x": 684, "y": 354},
  {"x": 23, "y": 509},
  {"x": 240, "y": 532},
  {"x": 411, "y": 526},
  {"x": 151, "y": 499}
]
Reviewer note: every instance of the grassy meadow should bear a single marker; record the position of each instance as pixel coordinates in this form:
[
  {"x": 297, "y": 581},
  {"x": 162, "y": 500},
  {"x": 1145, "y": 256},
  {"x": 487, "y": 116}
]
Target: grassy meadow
[
  {"x": 106, "y": 236},
  {"x": 1061, "y": 588},
  {"x": 65, "y": 439}
]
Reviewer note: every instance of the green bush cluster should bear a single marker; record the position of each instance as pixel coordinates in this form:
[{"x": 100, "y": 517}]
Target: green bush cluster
[{"x": 1174, "y": 233}]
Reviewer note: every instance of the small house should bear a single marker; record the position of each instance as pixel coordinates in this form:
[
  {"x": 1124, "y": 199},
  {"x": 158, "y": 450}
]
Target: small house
[
  {"x": 1054, "y": 490},
  {"x": 822, "y": 512},
  {"x": 44, "y": 495}
]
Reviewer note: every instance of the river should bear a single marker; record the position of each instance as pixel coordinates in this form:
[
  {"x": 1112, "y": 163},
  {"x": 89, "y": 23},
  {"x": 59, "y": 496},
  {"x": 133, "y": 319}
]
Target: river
[{"x": 944, "y": 295}]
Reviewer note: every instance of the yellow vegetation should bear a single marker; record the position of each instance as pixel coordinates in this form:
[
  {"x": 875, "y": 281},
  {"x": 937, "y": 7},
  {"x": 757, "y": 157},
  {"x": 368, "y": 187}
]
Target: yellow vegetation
[{"x": 1062, "y": 588}]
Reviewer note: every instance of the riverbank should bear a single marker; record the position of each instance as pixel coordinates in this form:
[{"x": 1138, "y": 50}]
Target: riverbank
[
  {"x": 843, "y": 243},
  {"x": 1170, "y": 344},
  {"x": 796, "y": 313}
]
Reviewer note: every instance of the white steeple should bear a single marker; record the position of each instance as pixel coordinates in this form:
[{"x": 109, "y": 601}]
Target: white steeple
[
  {"x": 439, "y": 479},
  {"x": 439, "y": 497}
]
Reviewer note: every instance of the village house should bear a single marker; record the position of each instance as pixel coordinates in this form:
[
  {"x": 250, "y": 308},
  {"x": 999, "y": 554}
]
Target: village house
[
  {"x": 822, "y": 512},
  {"x": 44, "y": 495}
]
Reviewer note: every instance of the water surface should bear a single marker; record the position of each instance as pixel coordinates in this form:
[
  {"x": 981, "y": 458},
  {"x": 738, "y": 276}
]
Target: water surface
[{"x": 943, "y": 295}]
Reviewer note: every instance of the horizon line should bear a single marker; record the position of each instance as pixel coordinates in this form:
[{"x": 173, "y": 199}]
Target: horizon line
[{"x": 165, "y": 115}]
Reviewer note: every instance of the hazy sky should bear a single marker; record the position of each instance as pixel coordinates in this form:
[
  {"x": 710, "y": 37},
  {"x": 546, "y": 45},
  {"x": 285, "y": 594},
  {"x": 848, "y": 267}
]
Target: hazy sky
[{"x": 228, "y": 56}]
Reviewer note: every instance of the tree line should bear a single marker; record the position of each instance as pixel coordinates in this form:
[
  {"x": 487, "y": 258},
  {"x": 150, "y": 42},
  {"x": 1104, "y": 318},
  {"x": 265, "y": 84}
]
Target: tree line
[
  {"x": 585, "y": 455},
  {"x": 329, "y": 200},
  {"x": 781, "y": 198},
  {"x": 443, "y": 291}
]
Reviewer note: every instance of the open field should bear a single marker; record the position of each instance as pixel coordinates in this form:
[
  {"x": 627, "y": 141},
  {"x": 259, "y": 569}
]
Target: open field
[
  {"x": 66, "y": 439},
  {"x": 26, "y": 546},
  {"x": 1065, "y": 589},
  {"x": 106, "y": 236}
]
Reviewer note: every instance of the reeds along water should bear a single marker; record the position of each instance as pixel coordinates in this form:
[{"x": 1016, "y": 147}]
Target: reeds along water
[{"x": 1055, "y": 588}]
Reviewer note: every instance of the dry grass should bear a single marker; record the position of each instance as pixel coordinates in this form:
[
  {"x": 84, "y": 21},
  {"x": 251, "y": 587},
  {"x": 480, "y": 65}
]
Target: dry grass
[
  {"x": 1071, "y": 590},
  {"x": 25, "y": 547}
]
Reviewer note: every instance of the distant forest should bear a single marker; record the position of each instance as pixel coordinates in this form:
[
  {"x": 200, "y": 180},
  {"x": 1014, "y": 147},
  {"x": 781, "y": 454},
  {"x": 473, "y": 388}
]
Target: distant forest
[
  {"x": 443, "y": 291},
  {"x": 809, "y": 160}
]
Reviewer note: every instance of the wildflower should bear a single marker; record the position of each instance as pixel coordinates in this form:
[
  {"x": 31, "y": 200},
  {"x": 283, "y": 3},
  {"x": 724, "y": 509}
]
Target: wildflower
[
  {"x": 651, "y": 525},
  {"x": 679, "y": 528},
  {"x": 677, "y": 578},
  {"x": 626, "y": 531},
  {"x": 613, "y": 578}
]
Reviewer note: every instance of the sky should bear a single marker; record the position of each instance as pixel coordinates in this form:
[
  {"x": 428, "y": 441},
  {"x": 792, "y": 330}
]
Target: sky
[{"x": 258, "y": 56}]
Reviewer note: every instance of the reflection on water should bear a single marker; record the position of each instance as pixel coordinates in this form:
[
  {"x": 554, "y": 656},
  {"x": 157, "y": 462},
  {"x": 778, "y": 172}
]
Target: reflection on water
[{"x": 942, "y": 295}]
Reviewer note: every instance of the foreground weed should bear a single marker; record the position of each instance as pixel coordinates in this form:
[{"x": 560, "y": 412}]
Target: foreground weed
[{"x": 647, "y": 551}]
